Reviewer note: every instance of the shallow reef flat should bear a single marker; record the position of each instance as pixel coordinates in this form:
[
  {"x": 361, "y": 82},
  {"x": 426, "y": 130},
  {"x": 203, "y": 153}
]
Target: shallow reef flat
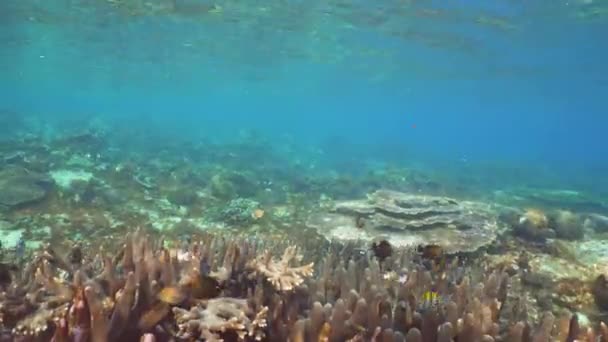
[
  {"x": 229, "y": 289},
  {"x": 203, "y": 241}
]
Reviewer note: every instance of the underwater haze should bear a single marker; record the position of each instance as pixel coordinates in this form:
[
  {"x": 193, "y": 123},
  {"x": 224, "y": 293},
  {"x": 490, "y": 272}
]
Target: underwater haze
[
  {"x": 304, "y": 170},
  {"x": 451, "y": 84}
]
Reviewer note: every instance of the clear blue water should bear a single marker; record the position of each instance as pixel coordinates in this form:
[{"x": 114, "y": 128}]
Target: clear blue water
[{"x": 445, "y": 82}]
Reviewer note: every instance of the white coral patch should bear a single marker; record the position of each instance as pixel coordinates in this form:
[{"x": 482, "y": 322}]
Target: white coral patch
[{"x": 65, "y": 178}]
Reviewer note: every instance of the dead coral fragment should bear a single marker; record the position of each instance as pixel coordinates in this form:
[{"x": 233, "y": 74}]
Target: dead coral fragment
[
  {"x": 221, "y": 315},
  {"x": 279, "y": 273}
]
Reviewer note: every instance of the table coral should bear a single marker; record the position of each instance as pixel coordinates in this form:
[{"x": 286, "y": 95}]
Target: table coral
[{"x": 410, "y": 220}]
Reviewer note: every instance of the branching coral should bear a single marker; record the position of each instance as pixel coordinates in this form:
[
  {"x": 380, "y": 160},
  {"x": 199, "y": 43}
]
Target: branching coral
[
  {"x": 129, "y": 295},
  {"x": 279, "y": 273},
  {"x": 217, "y": 289},
  {"x": 219, "y": 316}
]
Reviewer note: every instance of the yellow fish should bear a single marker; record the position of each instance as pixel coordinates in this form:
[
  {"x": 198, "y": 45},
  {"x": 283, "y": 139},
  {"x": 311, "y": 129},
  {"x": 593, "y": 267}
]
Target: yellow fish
[
  {"x": 172, "y": 295},
  {"x": 257, "y": 214},
  {"x": 430, "y": 296},
  {"x": 430, "y": 300}
]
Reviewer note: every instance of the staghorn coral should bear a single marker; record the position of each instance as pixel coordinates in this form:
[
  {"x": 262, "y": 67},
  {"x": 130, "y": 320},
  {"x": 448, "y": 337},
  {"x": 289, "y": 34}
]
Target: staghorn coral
[
  {"x": 130, "y": 295},
  {"x": 279, "y": 273},
  {"x": 149, "y": 292},
  {"x": 360, "y": 304},
  {"x": 369, "y": 306}
]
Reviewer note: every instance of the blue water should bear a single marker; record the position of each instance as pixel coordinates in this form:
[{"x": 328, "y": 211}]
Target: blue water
[{"x": 520, "y": 83}]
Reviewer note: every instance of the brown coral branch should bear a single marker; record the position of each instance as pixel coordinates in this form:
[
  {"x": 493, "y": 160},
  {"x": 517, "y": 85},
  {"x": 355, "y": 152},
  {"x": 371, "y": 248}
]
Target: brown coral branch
[{"x": 152, "y": 293}]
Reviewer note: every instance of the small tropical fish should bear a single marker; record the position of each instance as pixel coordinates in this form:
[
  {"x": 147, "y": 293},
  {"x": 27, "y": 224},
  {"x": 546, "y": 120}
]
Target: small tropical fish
[
  {"x": 197, "y": 286},
  {"x": 201, "y": 287},
  {"x": 20, "y": 248},
  {"x": 359, "y": 328},
  {"x": 257, "y": 214},
  {"x": 75, "y": 256},
  {"x": 204, "y": 286},
  {"x": 324, "y": 333},
  {"x": 172, "y": 295},
  {"x": 433, "y": 257},
  {"x": 430, "y": 296},
  {"x": 431, "y": 251},
  {"x": 382, "y": 250},
  {"x": 430, "y": 299}
]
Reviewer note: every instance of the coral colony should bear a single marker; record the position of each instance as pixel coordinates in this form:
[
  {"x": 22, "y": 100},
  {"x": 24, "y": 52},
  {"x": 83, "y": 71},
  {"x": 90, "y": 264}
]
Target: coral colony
[
  {"x": 161, "y": 246},
  {"x": 219, "y": 289}
]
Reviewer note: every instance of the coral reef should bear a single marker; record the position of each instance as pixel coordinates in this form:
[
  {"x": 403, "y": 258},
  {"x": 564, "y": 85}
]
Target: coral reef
[
  {"x": 239, "y": 212},
  {"x": 545, "y": 197},
  {"x": 278, "y": 273},
  {"x": 182, "y": 197},
  {"x": 537, "y": 225},
  {"x": 599, "y": 290},
  {"x": 567, "y": 225},
  {"x": 228, "y": 185},
  {"x": 275, "y": 253},
  {"x": 21, "y": 186},
  {"x": 406, "y": 219},
  {"x": 596, "y": 222},
  {"x": 150, "y": 292},
  {"x": 218, "y": 316},
  {"x": 533, "y": 224}
]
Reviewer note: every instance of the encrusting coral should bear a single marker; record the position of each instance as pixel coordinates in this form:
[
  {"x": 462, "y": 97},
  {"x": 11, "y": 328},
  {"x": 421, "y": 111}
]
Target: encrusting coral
[{"x": 215, "y": 289}]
